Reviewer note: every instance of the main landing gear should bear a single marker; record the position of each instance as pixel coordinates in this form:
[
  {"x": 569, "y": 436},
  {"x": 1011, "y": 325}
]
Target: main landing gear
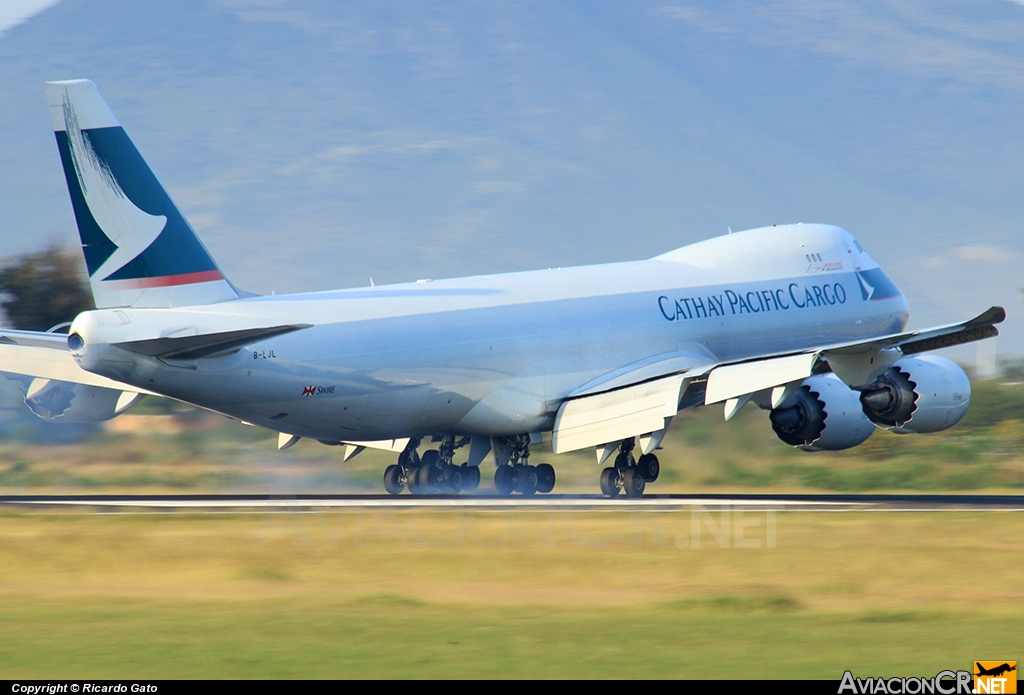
[
  {"x": 514, "y": 472},
  {"x": 434, "y": 472},
  {"x": 629, "y": 474}
]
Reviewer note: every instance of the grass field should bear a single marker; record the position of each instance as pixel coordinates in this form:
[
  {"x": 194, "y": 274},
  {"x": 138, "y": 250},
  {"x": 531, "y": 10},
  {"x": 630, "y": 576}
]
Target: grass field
[{"x": 522, "y": 594}]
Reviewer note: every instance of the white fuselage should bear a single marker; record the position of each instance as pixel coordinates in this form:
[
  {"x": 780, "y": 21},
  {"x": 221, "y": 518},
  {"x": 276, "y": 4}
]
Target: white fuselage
[{"x": 497, "y": 354}]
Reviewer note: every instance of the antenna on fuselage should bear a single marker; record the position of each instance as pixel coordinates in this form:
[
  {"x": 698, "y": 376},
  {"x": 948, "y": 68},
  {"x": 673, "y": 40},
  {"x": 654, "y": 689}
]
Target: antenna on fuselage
[{"x": 730, "y": 230}]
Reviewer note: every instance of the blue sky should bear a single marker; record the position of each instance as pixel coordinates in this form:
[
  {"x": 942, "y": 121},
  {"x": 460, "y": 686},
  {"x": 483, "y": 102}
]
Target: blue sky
[{"x": 315, "y": 144}]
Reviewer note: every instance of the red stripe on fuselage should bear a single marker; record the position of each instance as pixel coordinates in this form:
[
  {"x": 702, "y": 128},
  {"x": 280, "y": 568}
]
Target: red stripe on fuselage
[{"x": 167, "y": 280}]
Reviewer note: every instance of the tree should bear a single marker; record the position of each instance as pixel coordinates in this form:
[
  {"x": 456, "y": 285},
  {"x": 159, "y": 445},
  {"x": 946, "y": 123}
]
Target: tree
[{"x": 40, "y": 290}]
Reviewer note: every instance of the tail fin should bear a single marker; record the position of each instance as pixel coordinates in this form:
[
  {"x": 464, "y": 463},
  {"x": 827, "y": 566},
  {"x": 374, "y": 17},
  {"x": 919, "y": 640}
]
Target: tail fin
[{"x": 139, "y": 249}]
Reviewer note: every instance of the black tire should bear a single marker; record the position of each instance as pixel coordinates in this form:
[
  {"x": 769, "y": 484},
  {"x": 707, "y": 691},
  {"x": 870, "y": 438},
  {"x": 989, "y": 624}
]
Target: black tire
[
  {"x": 633, "y": 483},
  {"x": 503, "y": 480},
  {"x": 428, "y": 478},
  {"x": 453, "y": 479},
  {"x": 393, "y": 482},
  {"x": 649, "y": 466},
  {"x": 624, "y": 460},
  {"x": 430, "y": 457},
  {"x": 527, "y": 480},
  {"x": 610, "y": 482},
  {"x": 470, "y": 477},
  {"x": 545, "y": 478}
]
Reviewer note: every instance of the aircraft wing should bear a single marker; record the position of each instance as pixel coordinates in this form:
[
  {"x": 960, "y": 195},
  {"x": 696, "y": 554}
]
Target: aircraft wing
[
  {"x": 913, "y": 342},
  {"x": 857, "y": 363},
  {"x": 640, "y": 400}
]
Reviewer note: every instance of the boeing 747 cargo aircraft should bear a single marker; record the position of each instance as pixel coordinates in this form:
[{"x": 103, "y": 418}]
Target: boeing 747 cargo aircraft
[{"x": 795, "y": 318}]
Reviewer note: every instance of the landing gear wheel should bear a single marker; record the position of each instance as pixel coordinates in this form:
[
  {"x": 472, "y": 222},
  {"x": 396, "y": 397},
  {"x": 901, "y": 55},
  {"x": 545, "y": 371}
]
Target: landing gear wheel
[
  {"x": 413, "y": 482},
  {"x": 430, "y": 457},
  {"x": 470, "y": 476},
  {"x": 528, "y": 480},
  {"x": 505, "y": 480},
  {"x": 428, "y": 478},
  {"x": 545, "y": 478},
  {"x": 393, "y": 481},
  {"x": 649, "y": 467},
  {"x": 610, "y": 483},
  {"x": 453, "y": 479},
  {"x": 633, "y": 483}
]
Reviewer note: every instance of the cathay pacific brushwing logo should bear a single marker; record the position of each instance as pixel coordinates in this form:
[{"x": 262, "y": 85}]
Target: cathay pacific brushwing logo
[
  {"x": 866, "y": 290},
  {"x": 132, "y": 230},
  {"x": 875, "y": 285}
]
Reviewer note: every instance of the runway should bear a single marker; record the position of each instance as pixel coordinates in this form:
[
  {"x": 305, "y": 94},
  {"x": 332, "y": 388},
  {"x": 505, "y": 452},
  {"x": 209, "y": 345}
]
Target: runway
[{"x": 484, "y": 502}]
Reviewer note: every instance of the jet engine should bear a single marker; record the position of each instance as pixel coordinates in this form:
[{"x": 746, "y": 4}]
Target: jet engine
[
  {"x": 918, "y": 394},
  {"x": 823, "y": 415},
  {"x": 60, "y": 401}
]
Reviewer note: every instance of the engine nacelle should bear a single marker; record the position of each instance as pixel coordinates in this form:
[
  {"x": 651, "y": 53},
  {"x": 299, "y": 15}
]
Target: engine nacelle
[
  {"x": 918, "y": 394},
  {"x": 61, "y": 401},
  {"x": 823, "y": 415}
]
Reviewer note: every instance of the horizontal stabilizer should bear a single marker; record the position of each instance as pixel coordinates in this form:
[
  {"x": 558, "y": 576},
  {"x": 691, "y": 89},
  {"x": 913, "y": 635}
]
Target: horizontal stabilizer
[
  {"x": 194, "y": 347},
  {"x": 51, "y": 341},
  {"x": 51, "y": 363}
]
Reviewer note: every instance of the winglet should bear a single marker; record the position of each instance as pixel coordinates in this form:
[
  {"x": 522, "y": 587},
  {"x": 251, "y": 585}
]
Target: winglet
[{"x": 996, "y": 314}]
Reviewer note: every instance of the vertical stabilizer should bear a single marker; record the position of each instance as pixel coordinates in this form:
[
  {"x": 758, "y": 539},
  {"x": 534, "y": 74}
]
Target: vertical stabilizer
[{"x": 139, "y": 249}]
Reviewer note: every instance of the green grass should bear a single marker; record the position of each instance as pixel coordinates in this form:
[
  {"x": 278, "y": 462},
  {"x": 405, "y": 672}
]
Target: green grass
[
  {"x": 393, "y": 637},
  {"x": 519, "y": 594}
]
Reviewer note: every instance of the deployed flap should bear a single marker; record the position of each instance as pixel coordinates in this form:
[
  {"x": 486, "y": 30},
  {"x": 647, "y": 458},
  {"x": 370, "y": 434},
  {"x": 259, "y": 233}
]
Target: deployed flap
[
  {"x": 286, "y": 441},
  {"x": 395, "y": 445},
  {"x": 196, "y": 346},
  {"x": 734, "y": 380},
  {"x": 51, "y": 363},
  {"x": 615, "y": 415}
]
